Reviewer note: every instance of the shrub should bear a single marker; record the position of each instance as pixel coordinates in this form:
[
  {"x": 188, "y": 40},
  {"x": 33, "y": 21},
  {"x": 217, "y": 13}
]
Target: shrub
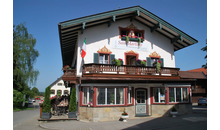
[
  {"x": 18, "y": 98},
  {"x": 73, "y": 105},
  {"x": 47, "y": 101}
]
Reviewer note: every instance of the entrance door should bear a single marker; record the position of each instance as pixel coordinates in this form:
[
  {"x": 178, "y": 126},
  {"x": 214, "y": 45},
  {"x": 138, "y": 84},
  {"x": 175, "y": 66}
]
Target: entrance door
[{"x": 141, "y": 102}]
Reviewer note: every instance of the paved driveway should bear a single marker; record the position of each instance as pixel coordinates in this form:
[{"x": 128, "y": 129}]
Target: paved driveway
[{"x": 22, "y": 116}]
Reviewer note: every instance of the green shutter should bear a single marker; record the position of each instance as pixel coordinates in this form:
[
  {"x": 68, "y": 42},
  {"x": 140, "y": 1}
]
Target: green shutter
[
  {"x": 112, "y": 56},
  {"x": 96, "y": 58},
  {"x": 148, "y": 61},
  {"x": 161, "y": 59}
]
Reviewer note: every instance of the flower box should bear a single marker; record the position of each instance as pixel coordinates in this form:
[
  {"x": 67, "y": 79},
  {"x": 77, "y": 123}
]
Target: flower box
[{"x": 132, "y": 39}]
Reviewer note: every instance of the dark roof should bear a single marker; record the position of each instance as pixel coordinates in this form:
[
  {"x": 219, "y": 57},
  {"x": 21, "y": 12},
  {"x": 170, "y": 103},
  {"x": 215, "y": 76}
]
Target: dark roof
[
  {"x": 58, "y": 79},
  {"x": 69, "y": 30},
  {"x": 192, "y": 75}
]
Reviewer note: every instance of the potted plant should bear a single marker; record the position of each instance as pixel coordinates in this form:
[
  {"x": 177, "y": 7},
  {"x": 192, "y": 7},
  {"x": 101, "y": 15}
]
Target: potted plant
[
  {"x": 89, "y": 103},
  {"x": 117, "y": 62},
  {"x": 158, "y": 66},
  {"x": 124, "y": 116},
  {"x": 173, "y": 112},
  {"x": 138, "y": 62},
  {"x": 46, "y": 104},
  {"x": 143, "y": 62},
  {"x": 72, "y": 105},
  {"x": 66, "y": 67}
]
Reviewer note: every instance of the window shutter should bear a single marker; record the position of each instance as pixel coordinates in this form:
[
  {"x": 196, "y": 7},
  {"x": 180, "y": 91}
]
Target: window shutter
[
  {"x": 148, "y": 61},
  {"x": 112, "y": 56},
  {"x": 161, "y": 59},
  {"x": 96, "y": 58}
]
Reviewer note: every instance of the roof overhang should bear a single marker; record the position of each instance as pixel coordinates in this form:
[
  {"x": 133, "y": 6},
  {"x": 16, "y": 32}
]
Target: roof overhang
[{"x": 69, "y": 30}]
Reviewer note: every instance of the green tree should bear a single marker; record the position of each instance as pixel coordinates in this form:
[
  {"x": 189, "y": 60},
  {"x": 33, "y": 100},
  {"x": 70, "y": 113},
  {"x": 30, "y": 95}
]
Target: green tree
[
  {"x": 205, "y": 49},
  {"x": 35, "y": 91},
  {"x": 24, "y": 57}
]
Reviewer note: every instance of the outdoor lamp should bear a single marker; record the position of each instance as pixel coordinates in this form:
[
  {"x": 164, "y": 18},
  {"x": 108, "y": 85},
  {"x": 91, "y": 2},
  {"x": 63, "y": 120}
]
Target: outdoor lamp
[{"x": 92, "y": 89}]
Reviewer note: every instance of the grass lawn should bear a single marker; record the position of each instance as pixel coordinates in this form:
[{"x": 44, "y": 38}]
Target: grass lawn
[{"x": 22, "y": 109}]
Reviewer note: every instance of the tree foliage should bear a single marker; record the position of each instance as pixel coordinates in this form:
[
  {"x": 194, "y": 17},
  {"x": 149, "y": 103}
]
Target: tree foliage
[
  {"x": 205, "y": 49},
  {"x": 24, "y": 57},
  {"x": 35, "y": 91}
]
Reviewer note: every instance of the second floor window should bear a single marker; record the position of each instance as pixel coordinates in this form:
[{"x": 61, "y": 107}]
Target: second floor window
[{"x": 104, "y": 58}]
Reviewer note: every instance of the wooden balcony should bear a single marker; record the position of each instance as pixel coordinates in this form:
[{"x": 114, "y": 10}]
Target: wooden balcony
[
  {"x": 128, "y": 71},
  {"x": 69, "y": 75}
]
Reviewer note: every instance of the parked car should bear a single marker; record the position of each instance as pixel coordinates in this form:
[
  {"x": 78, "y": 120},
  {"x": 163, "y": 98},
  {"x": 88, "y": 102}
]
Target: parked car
[
  {"x": 202, "y": 101},
  {"x": 33, "y": 99},
  {"x": 30, "y": 101}
]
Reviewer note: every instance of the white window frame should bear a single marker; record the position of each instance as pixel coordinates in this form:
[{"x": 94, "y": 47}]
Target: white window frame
[
  {"x": 181, "y": 91},
  {"x": 107, "y": 96},
  {"x": 129, "y": 97},
  {"x": 87, "y": 94},
  {"x": 103, "y": 59},
  {"x": 158, "y": 96}
]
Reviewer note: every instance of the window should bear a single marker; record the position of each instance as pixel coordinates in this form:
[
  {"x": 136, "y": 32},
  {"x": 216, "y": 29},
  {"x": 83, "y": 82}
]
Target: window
[
  {"x": 171, "y": 95},
  {"x": 59, "y": 84},
  {"x": 52, "y": 91},
  {"x": 66, "y": 92},
  {"x": 129, "y": 97},
  {"x": 87, "y": 95},
  {"x": 153, "y": 60},
  {"x": 59, "y": 91},
  {"x": 159, "y": 95},
  {"x": 110, "y": 96},
  {"x": 103, "y": 58},
  {"x": 178, "y": 95},
  {"x": 185, "y": 94}
]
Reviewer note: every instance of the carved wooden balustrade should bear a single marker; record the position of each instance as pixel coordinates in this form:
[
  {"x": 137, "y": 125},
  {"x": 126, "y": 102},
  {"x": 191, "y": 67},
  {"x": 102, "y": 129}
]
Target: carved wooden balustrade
[{"x": 128, "y": 69}]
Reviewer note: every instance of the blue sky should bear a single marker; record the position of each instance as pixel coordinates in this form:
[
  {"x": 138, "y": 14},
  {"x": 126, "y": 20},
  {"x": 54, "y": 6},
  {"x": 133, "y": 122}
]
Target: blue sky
[{"x": 42, "y": 18}]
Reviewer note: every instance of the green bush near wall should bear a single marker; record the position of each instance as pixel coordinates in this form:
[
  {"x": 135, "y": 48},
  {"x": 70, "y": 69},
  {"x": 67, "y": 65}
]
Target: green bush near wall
[
  {"x": 73, "y": 104},
  {"x": 47, "y": 101}
]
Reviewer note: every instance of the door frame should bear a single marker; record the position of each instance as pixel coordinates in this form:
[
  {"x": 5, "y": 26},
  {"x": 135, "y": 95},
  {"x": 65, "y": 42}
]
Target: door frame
[
  {"x": 130, "y": 53},
  {"x": 146, "y": 98}
]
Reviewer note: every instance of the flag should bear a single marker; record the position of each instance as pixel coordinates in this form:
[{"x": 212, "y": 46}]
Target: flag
[{"x": 84, "y": 49}]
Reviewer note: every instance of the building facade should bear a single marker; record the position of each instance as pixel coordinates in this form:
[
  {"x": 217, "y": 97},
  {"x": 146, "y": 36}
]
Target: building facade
[
  {"x": 131, "y": 34},
  {"x": 58, "y": 86}
]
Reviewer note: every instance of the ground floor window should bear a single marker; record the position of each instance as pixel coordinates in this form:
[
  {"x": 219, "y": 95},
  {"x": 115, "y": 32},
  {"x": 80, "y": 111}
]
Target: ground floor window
[
  {"x": 129, "y": 97},
  {"x": 110, "y": 96},
  {"x": 159, "y": 95},
  {"x": 178, "y": 95},
  {"x": 87, "y": 95}
]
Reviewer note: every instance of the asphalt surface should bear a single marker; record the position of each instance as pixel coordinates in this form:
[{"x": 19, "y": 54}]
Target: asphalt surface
[
  {"x": 22, "y": 116},
  {"x": 195, "y": 121}
]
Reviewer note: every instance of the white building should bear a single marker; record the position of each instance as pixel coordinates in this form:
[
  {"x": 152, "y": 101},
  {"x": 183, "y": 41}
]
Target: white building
[
  {"x": 58, "y": 85},
  {"x": 141, "y": 90}
]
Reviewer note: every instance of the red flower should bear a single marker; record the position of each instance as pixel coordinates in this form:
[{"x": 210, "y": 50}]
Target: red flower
[
  {"x": 124, "y": 113},
  {"x": 159, "y": 61},
  {"x": 144, "y": 60},
  {"x": 120, "y": 59}
]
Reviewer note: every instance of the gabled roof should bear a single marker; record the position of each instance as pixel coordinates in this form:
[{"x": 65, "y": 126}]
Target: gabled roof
[
  {"x": 199, "y": 70},
  {"x": 191, "y": 75},
  {"x": 68, "y": 30},
  {"x": 55, "y": 82}
]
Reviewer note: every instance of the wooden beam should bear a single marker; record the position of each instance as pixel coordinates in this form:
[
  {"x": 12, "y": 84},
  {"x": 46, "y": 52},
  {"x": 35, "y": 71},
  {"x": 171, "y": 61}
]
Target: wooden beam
[
  {"x": 111, "y": 20},
  {"x": 175, "y": 39},
  {"x": 156, "y": 27},
  {"x": 83, "y": 27}
]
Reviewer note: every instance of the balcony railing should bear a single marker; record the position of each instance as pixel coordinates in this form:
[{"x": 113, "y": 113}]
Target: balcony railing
[
  {"x": 69, "y": 73},
  {"x": 128, "y": 69},
  {"x": 108, "y": 69}
]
